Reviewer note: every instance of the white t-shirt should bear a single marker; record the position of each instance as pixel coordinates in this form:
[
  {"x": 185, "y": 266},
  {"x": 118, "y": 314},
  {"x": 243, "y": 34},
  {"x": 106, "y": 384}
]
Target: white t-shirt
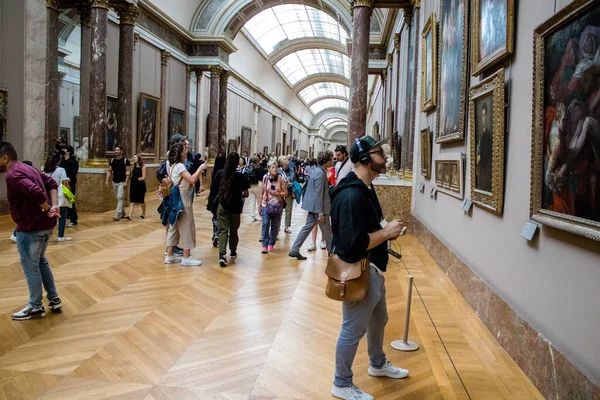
[
  {"x": 176, "y": 173},
  {"x": 60, "y": 176},
  {"x": 341, "y": 172}
]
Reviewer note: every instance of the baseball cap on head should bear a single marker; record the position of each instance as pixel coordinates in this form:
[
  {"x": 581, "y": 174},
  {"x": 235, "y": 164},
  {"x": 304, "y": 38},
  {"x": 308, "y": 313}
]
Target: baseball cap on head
[
  {"x": 178, "y": 137},
  {"x": 367, "y": 143}
]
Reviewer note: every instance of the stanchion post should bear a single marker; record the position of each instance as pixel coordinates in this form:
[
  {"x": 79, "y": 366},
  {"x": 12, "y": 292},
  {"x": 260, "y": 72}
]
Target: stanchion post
[{"x": 405, "y": 344}]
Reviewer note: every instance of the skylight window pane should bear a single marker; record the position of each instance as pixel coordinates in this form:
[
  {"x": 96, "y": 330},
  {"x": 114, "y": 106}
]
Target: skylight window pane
[
  {"x": 324, "y": 89},
  {"x": 336, "y": 124},
  {"x": 328, "y": 103},
  {"x": 332, "y": 121}
]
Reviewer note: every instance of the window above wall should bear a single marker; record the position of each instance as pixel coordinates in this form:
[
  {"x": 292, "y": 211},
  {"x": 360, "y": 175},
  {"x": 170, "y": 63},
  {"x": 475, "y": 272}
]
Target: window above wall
[
  {"x": 324, "y": 89},
  {"x": 303, "y": 63},
  {"x": 293, "y": 21},
  {"x": 333, "y": 122},
  {"x": 328, "y": 103}
]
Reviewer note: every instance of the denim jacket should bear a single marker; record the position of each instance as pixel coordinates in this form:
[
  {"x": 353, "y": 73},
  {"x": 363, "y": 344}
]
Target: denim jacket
[{"x": 172, "y": 207}]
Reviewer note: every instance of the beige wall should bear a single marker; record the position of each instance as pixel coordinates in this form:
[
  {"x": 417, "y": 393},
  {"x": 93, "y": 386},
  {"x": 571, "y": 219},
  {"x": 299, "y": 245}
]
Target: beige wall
[{"x": 551, "y": 282}]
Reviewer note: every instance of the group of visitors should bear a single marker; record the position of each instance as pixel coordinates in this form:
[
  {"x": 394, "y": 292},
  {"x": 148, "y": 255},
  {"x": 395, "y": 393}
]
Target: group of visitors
[{"x": 347, "y": 212}]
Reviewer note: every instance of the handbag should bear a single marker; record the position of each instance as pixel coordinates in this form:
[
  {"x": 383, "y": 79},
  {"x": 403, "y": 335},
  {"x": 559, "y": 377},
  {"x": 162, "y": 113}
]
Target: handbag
[
  {"x": 166, "y": 185},
  {"x": 274, "y": 207},
  {"x": 346, "y": 281},
  {"x": 68, "y": 194}
]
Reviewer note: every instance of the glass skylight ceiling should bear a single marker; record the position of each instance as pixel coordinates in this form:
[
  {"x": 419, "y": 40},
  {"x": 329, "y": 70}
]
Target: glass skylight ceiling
[
  {"x": 333, "y": 121},
  {"x": 292, "y": 21},
  {"x": 336, "y": 124},
  {"x": 328, "y": 103},
  {"x": 324, "y": 89},
  {"x": 299, "y": 65}
]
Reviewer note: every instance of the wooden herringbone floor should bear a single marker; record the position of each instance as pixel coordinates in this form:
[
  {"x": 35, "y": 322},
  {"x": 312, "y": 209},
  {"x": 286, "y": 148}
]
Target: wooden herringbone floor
[{"x": 135, "y": 328}]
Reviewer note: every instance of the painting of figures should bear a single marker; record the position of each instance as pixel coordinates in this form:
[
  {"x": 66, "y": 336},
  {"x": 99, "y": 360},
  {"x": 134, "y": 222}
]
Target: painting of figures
[
  {"x": 566, "y": 137},
  {"x": 452, "y": 70},
  {"x": 429, "y": 65},
  {"x": 492, "y": 32},
  {"x": 148, "y": 123},
  {"x": 176, "y": 121},
  {"x": 112, "y": 124}
]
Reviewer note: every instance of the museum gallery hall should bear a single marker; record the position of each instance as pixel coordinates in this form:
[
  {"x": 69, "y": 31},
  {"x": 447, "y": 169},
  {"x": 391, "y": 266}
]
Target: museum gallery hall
[{"x": 163, "y": 163}]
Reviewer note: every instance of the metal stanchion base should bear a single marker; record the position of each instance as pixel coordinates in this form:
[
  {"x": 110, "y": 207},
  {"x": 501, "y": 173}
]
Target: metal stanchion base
[{"x": 404, "y": 346}]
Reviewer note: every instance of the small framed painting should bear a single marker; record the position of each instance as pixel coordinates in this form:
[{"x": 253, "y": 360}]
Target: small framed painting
[
  {"x": 426, "y": 153},
  {"x": 493, "y": 27},
  {"x": 449, "y": 175}
]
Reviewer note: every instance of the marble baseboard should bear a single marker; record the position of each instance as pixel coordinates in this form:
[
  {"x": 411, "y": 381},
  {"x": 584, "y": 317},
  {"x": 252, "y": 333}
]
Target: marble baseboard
[
  {"x": 395, "y": 201},
  {"x": 550, "y": 371}
]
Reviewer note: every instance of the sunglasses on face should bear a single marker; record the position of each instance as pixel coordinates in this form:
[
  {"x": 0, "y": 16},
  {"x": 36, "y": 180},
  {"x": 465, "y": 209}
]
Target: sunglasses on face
[{"x": 380, "y": 152}]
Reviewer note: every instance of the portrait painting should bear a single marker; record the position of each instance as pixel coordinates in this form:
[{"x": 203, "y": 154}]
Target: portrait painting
[
  {"x": 65, "y": 134},
  {"x": 452, "y": 70},
  {"x": 278, "y": 149},
  {"x": 438, "y": 172},
  {"x": 426, "y": 153},
  {"x": 176, "y": 122},
  {"x": 246, "y": 139},
  {"x": 449, "y": 174},
  {"x": 112, "y": 124},
  {"x": 429, "y": 65},
  {"x": 231, "y": 146},
  {"x": 446, "y": 171},
  {"x": 3, "y": 113},
  {"x": 454, "y": 176},
  {"x": 486, "y": 140},
  {"x": 493, "y": 25},
  {"x": 148, "y": 124},
  {"x": 266, "y": 150},
  {"x": 566, "y": 129}
]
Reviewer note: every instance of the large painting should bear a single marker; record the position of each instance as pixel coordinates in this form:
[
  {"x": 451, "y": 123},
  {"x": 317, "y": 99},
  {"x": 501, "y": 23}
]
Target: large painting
[
  {"x": 452, "y": 70},
  {"x": 246, "y": 140},
  {"x": 3, "y": 113},
  {"x": 176, "y": 122},
  {"x": 112, "y": 124},
  {"x": 148, "y": 124},
  {"x": 486, "y": 130},
  {"x": 492, "y": 39},
  {"x": 278, "y": 149},
  {"x": 565, "y": 178},
  {"x": 429, "y": 65}
]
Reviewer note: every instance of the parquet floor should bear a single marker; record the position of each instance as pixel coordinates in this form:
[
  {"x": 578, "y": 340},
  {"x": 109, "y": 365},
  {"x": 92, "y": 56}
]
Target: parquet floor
[{"x": 262, "y": 328}]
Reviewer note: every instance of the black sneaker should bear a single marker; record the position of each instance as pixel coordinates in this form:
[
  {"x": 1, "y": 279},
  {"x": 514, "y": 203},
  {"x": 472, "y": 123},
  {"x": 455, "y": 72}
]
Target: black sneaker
[
  {"x": 233, "y": 255},
  {"x": 55, "y": 304},
  {"x": 222, "y": 260},
  {"x": 296, "y": 254},
  {"x": 178, "y": 251},
  {"x": 216, "y": 241},
  {"x": 29, "y": 313}
]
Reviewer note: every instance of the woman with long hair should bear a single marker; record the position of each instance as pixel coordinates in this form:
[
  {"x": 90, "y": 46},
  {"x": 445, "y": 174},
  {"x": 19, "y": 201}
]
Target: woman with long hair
[
  {"x": 137, "y": 187},
  {"x": 273, "y": 194},
  {"x": 212, "y": 203},
  {"x": 52, "y": 169},
  {"x": 255, "y": 180},
  {"x": 233, "y": 188},
  {"x": 184, "y": 230}
]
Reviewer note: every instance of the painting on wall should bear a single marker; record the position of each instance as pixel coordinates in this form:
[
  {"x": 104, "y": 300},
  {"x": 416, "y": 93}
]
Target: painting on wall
[
  {"x": 77, "y": 131},
  {"x": 493, "y": 26},
  {"x": 3, "y": 113},
  {"x": 429, "y": 65},
  {"x": 246, "y": 140},
  {"x": 65, "y": 135},
  {"x": 176, "y": 121},
  {"x": 426, "y": 153},
  {"x": 148, "y": 124},
  {"x": 278, "y": 149},
  {"x": 449, "y": 175},
  {"x": 231, "y": 146},
  {"x": 112, "y": 124},
  {"x": 303, "y": 154},
  {"x": 486, "y": 130},
  {"x": 452, "y": 70},
  {"x": 266, "y": 150},
  {"x": 565, "y": 188}
]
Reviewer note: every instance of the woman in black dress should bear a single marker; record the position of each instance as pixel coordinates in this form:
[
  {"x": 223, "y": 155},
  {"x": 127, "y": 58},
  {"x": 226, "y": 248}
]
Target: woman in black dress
[{"x": 137, "y": 188}]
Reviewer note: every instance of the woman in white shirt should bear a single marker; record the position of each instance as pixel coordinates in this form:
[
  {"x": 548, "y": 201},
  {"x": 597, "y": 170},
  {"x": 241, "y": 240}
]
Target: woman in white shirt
[
  {"x": 52, "y": 169},
  {"x": 184, "y": 231}
]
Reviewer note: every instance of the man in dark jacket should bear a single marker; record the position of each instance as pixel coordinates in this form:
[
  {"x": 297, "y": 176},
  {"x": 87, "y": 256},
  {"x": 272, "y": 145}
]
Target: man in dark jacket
[
  {"x": 71, "y": 166},
  {"x": 360, "y": 231}
]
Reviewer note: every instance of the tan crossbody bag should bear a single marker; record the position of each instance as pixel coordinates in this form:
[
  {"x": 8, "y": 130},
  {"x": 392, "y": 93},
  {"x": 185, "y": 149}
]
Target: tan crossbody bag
[{"x": 346, "y": 281}]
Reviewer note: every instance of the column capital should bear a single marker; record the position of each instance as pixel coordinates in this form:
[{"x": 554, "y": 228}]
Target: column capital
[
  {"x": 397, "y": 41},
  {"x": 188, "y": 71},
  {"x": 164, "y": 57},
  {"x": 362, "y": 3},
  {"x": 416, "y": 3},
  {"x": 225, "y": 74},
  {"x": 100, "y": 4},
  {"x": 408, "y": 11},
  {"x": 216, "y": 70},
  {"x": 53, "y": 4},
  {"x": 384, "y": 75},
  {"x": 128, "y": 13},
  {"x": 257, "y": 108},
  {"x": 136, "y": 39},
  {"x": 390, "y": 59}
]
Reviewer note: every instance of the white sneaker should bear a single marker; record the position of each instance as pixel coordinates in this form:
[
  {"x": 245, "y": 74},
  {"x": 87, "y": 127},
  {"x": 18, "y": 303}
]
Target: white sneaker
[
  {"x": 389, "y": 370},
  {"x": 323, "y": 245},
  {"x": 13, "y": 238},
  {"x": 64, "y": 239},
  {"x": 172, "y": 260},
  {"x": 312, "y": 247},
  {"x": 29, "y": 313},
  {"x": 190, "y": 262},
  {"x": 350, "y": 393}
]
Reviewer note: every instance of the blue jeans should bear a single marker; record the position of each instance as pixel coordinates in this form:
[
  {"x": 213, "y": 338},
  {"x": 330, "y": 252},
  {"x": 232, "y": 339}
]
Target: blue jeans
[
  {"x": 270, "y": 228},
  {"x": 62, "y": 222},
  {"x": 32, "y": 250},
  {"x": 367, "y": 316}
]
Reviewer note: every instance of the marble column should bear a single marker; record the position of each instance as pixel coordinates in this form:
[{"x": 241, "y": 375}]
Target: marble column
[
  {"x": 186, "y": 123},
  {"x": 201, "y": 144},
  {"x": 127, "y": 15},
  {"x": 359, "y": 72},
  {"x": 165, "y": 135},
  {"x": 52, "y": 77},
  {"x": 99, "y": 28},
  {"x": 213, "y": 116},
  {"x": 222, "y": 142},
  {"x": 254, "y": 146},
  {"x": 83, "y": 130}
]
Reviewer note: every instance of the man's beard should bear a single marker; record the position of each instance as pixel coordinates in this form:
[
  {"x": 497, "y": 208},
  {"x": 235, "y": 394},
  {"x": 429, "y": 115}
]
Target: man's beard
[{"x": 378, "y": 168}]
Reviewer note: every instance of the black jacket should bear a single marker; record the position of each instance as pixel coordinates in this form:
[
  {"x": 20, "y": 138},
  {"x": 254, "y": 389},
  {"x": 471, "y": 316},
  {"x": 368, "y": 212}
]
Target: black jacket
[{"x": 356, "y": 212}]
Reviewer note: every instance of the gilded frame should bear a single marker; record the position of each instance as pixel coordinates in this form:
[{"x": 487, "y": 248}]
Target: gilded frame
[
  {"x": 428, "y": 104},
  {"x": 426, "y": 153},
  {"x": 573, "y": 224},
  {"x": 494, "y": 87},
  {"x": 459, "y": 134},
  {"x": 452, "y": 166},
  {"x": 140, "y": 138},
  {"x": 479, "y": 66},
  {"x": 3, "y": 113}
]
